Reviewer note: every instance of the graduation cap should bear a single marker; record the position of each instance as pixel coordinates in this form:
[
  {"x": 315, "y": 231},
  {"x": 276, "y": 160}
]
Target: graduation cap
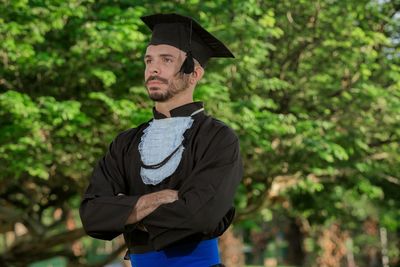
[{"x": 187, "y": 35}]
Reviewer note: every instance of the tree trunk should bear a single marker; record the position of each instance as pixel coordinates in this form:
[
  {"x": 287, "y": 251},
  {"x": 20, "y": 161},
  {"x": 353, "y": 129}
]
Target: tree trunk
[
  {"x": 231, "y": 248},
  {"x": 295, "y": 244},
  {"x": 333, "y": 245}
]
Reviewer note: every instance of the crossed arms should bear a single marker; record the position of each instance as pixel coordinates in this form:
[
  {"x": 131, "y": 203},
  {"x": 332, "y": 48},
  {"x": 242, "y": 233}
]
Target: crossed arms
[
  {"x": 146, "y": 204},
  {"x": 202, "y": 204}
]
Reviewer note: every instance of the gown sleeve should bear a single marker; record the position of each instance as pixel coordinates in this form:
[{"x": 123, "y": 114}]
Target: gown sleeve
[
  {"x": 205, "y": 198},
  {"x": 106, "y": 206}
]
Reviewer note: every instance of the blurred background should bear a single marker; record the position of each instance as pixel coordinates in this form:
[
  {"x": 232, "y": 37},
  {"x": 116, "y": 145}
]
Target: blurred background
[{"x": 314, "y": 95}]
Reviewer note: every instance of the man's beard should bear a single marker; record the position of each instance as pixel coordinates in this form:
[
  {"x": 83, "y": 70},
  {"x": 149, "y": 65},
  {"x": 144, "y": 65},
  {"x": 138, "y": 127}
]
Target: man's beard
[{"x": 177, "y": 84}]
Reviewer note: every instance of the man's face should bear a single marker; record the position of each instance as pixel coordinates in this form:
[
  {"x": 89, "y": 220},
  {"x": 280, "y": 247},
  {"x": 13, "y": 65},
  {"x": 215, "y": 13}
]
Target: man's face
[{"x": 162, "y": 77}]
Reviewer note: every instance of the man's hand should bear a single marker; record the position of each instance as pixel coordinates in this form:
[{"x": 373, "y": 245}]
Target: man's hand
[{"x": 146, "y": 204}]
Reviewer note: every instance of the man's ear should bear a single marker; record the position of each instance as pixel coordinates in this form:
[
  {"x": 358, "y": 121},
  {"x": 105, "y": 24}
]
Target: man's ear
[{"x": 198, "y": 73}]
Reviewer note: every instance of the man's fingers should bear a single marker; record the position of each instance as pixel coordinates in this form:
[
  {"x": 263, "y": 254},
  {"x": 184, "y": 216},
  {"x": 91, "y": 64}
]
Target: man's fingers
[{"x": 168, "y": 195}]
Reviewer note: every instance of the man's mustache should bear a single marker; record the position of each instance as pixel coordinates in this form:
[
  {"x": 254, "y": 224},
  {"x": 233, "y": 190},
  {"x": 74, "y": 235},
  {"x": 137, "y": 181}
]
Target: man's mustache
[{"x": 156, "y": 78}]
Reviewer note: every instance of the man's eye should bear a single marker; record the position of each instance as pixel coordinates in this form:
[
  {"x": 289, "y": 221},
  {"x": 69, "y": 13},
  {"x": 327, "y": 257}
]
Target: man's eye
[
  {"x": 147, "y": 61},
  {"x": 167, "y": 60}
]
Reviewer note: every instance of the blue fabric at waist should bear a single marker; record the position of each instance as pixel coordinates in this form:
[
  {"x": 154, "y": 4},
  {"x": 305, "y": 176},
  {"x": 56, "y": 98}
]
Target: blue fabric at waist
[{"x": 202, "y": 254}]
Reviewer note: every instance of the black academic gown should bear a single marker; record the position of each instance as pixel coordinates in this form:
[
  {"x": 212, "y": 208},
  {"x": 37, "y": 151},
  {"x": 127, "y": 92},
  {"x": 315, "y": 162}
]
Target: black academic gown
[{"x": 206, "y": 179}]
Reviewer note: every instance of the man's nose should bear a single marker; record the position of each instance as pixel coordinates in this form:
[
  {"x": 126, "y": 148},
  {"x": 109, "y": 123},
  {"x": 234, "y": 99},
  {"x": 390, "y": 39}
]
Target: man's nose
[{"x": 154, "y": 69}]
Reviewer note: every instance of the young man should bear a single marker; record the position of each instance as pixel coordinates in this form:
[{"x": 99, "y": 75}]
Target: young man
[{"x": 168, "y": 185}]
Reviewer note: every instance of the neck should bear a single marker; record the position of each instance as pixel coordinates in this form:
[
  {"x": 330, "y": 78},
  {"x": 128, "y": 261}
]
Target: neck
[{"x": 174, "y": 102}]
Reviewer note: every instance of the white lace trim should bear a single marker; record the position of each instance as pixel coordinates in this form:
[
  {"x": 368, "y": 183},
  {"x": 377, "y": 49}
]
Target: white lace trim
[{"x": 159, "y": 140}]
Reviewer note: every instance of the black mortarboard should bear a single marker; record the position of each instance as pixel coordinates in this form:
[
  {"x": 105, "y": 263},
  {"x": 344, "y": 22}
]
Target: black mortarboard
[{"x": 187, "y": 35}]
